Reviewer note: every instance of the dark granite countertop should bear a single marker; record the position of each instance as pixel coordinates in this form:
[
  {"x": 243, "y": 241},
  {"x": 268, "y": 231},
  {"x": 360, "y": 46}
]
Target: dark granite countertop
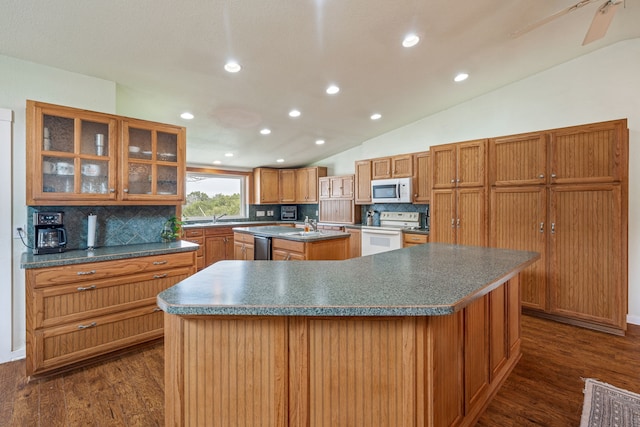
[
  {"x": 424, "y": 280},
  {"x": 290, "y": 233},
  {"x": 108, "y": 253}
]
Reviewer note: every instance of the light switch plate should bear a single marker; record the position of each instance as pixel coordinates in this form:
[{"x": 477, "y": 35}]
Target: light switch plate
[{"x": 259, "y": 213}]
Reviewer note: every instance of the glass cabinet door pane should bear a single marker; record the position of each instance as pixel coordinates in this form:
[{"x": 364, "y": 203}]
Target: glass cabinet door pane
[
  {"x": 140, "y": 143},
  {"x": 57, "y": 134},
  {"x": 167, "y": 147},
  {"x": 57, "y": 174},
  {"x": 94, "y": 177},
  {"x": 94, "y": 138},
  {"x": 139, "y": 178},
  {"x": 167, "y": 183}
]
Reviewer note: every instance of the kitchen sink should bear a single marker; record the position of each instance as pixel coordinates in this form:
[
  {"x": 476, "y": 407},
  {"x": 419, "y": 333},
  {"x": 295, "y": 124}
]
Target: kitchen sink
[{"x": 304, "y": 233}]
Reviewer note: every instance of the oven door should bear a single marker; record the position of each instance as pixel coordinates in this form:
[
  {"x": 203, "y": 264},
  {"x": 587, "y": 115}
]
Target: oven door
[{"x": 375, "y": 241}]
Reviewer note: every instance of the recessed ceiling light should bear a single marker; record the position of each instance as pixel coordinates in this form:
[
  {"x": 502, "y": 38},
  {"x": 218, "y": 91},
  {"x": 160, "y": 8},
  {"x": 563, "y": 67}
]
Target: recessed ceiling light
[
  {"x": 280, "y": 160},
  {"x": 294, "y": 113},
  {"x": 333, "y": 89},
  {"x": 319, "y": 141},
  {"x": 376, "y": 116},
  {"x": 410, "y": 40},
  {"x": 232, "y": 67},
  {"x": 217, "y": 162},
  {"x": 461, "y": 77},
  {"x": 186, "y": 115},
  {"x": 228, "y": 154},
  {"x": 265, "y": 131}
]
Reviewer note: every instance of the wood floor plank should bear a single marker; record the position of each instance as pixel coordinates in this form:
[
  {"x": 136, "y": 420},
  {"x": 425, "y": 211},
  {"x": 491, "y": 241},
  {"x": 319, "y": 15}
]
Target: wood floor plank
[{"x": 544, "y": 389}]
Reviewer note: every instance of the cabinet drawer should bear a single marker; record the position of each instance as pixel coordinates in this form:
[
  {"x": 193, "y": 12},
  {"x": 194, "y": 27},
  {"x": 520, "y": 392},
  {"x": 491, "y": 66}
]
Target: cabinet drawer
[
  {"x": 60, "y": 346},
  {"x": 199, "y": 241},
  {"x": 415, "y": 238},
  {"x": 75, "y": 302},
  {"x": 218, "y": 231},
  {"x": 193, "y": 232},
  {"x": 102, "y": 270},
  {"x": 287, "y": 245},
  {"x": 243, "y": 238}
]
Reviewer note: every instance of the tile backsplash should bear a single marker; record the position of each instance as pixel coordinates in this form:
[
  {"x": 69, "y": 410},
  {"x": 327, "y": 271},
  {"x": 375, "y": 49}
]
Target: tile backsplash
[{"x": 116, "y": 225}]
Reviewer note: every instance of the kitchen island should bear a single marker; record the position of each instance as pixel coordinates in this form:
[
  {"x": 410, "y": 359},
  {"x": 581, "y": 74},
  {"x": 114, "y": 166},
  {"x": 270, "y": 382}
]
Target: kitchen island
[{"x": 418, "y": 336}]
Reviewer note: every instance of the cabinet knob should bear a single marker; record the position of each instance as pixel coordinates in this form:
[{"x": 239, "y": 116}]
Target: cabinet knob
[
  {"x": 112, "y": 190},
  {"x": 541, "y": 176},
  {"x": 126, "y": 190},
  {"x": 553, "y": 228},
  {"x": 542, "y": 227},
  {"x": 453, "y": 181},
  {"x": 553, "y": 175}
]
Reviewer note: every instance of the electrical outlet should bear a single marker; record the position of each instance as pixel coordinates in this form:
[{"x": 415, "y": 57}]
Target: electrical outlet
[
  {"x": 316, "y": 213},
  {"x": 269, "y": 213},
  {"x": 259, "y": 213},
  {"x": 18, "y": 230}
]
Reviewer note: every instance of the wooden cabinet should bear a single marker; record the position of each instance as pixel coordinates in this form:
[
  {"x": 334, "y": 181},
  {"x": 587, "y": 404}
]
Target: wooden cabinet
[
  {"x": 459, "y": 165},
  {"x": 392, "y": 167},
  {"x": 324, "y": 188},
  {"x": 412, "y": 239},
  {"x": 563, "y": 193},
  {"x": 77, "y": 312},
  {"x": 218, "y": 243},
  {"x": 337, "y": 205},
  {"x": 459, "y": 216},
  {"x": 363, "y": 182},
  {"x": 336, "y": 187},
  {"x": 290, "y": 250},
  {"x": 307, "y": 184},
  {"x": 422, "y": 177},
  {"x": 266, "y": 186},
  {"x": 244, "y": 247},
  {"x": 355, "y": 242},
  {"x": 78, "y": 157},
  {"x": 196, "y": 235},
  {"x": 287, "y": 183}
]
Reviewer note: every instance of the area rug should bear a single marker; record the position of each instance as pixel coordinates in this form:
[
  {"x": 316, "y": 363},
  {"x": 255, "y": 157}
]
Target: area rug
[{"x": 609, "y": 406}]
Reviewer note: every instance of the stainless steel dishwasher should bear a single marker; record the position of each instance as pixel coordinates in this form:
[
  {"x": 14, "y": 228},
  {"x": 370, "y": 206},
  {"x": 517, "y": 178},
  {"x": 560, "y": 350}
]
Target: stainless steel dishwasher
[{"x": 262, "y": 248}]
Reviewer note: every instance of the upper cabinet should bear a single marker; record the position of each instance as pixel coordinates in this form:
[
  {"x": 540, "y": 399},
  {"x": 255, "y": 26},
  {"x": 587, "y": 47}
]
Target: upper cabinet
[
  {"x": 307, "y": 184},
  {"x": 459, "y": 165},
  {"x": 336, "y": 187},
  {"x": 392, "y": 167},
  {"x": 363, "y": 182},
  {"x": 422, "y": 179},
  {"x": 274, "y": 186},
  {"x": 266, "y": 186},
  {"x": 78, "y": 157},
  {"x": 578, "y": 154},
  {"x": 287, "y": 185}
]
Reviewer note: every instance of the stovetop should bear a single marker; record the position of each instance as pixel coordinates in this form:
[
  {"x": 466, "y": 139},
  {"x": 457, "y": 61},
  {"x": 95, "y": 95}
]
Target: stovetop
[{"x": 397, "y": 221}]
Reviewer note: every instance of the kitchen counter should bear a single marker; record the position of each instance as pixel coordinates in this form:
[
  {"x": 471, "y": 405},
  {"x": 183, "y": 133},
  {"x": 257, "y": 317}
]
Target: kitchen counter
[
  {"x": 418, "y": 336},
  {"x": 289, "y": 233},
  {"x": 109, "y": 253}
]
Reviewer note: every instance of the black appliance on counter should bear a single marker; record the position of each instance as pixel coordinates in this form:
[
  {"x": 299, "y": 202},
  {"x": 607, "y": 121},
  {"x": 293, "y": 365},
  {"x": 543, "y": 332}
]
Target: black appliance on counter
[
  {"x": 50, "y": 237},
  {"x": 262, "y": 248}
]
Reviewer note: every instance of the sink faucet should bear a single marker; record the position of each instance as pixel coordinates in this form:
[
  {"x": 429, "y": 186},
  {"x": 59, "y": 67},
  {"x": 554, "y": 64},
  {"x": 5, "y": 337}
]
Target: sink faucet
[
  {"x": 216, "y": 218},
  {"x": 314, "y": 224}
]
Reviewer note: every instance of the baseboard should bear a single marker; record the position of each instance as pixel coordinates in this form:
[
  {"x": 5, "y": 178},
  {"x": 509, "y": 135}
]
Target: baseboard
[
  {"x": 12, "y": 356},
  {"x": 634, "y": 320}
]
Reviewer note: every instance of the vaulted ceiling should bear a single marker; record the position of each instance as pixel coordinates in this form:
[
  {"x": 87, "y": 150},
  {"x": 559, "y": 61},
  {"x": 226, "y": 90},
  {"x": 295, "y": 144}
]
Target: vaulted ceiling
[{"x": 168, "y": 57}]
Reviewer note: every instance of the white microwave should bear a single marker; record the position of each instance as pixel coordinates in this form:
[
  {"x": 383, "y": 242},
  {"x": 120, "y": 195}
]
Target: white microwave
[{"x": 394, "y": 190}]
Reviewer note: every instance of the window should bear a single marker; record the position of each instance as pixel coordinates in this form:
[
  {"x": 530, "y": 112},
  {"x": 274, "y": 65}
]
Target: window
[{"x": 215, "y": 192}]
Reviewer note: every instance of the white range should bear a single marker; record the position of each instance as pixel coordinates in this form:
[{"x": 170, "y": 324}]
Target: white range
[{"x": 388, "y": 235}]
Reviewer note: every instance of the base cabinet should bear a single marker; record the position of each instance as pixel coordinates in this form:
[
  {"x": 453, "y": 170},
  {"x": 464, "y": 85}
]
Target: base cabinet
[
  {"x": 243, "y": 246},
  {"x": 80, "y": 311},
  {"x": 291, "y": 250},
  {"x": 218, "y": 243}
]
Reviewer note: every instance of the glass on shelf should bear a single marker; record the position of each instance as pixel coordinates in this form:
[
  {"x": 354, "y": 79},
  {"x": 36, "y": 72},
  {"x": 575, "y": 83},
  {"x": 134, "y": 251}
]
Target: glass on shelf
[
  {"x": 57, "y": 134},
  {"x": 94, "y": 139},
  {"x": 94, "y": 176}
]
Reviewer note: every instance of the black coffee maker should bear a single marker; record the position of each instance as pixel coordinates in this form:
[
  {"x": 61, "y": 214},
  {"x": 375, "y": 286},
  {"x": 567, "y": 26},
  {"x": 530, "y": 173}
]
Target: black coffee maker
[{"x": 50, "y": 236}]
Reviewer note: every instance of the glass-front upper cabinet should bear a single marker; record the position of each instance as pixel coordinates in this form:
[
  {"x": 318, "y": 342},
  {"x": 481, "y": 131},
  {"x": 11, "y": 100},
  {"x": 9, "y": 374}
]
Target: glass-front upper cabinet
[
  {"x": 154, "y": 159},
  {"x": 71, "y": 155}
]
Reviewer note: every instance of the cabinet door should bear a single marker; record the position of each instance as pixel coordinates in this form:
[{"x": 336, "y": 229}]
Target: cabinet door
[
  {"x": 518, "y": 160},
  {"x": 471, "y": 164},
  {"x": 402, "y": 166},
  {"x": 355, "y": 242},
  {"x": 585, "y": 252},
  {"x": 153, "y": 161},
  {"x": 422, "y": 182},
  {"x": 443, "y": 216},
  {"x": 302, "y": 185},
  {"x": 287, "y": 183},
  {"x": 215, "y": 249},
  {"x": 312, "y": 185},
  {"x": 71, "y": 155},
  {"x": 519, "y": 222},
  {"x": 471, "y": 226},
  {"x": 324, "y": 188},
  {"x": 347, "y": 186},
  {"x": 266, "y": 186},
  {"x": 443, "y": 162},
  {"x": 363, "y": 182},
  {"x": 381, "y": 168},
  {"x": 589, "y": 153}
]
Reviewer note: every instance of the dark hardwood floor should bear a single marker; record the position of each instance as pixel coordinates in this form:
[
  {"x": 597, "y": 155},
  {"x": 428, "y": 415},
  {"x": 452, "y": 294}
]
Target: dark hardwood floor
[{"x": 545, "y": 388}]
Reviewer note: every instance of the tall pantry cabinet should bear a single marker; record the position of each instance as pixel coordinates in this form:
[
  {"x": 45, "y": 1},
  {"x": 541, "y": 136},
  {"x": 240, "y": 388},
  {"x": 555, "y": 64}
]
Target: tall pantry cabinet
[{"x": 563, "y": 193}]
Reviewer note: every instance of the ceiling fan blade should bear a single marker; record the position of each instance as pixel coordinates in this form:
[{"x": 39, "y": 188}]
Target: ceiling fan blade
[
  {"x": 601, "y": 21},
  {"x": 550, "y": 18}
]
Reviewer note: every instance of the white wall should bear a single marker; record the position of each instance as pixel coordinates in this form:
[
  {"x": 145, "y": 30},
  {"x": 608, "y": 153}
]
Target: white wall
[
  {"x": 6, "y": 120},
  {"x": 19, "y": 81},
  {"x": 600, "y": 86}
]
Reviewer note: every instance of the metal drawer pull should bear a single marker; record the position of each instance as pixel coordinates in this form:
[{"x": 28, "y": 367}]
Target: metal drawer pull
[
  {"x": 85, "y": 273},
  {"x": 160, "y": 276},
  {"x": 542, "y": 227},
  {"x": 90, "y": 325},
  {"x": 87, "y": 288},
  {"x": 157, "y": 309},
  {"x": 159, "y": 262},
  {"x": 553, "y": 228}
]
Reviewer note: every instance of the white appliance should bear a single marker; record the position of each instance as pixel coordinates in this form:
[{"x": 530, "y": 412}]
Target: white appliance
[
  {"x": 394, "y": 190},
  {"x": 388, "y": 235}
]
